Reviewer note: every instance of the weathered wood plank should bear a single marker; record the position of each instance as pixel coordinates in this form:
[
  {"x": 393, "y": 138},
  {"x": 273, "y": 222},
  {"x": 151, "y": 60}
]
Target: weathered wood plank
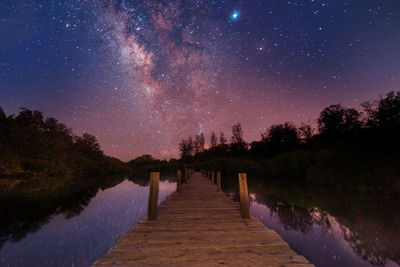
[{"x": 199, "y": 226}]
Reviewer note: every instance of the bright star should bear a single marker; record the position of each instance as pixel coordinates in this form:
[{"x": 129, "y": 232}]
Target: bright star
[{"x": 235, "y": 15}]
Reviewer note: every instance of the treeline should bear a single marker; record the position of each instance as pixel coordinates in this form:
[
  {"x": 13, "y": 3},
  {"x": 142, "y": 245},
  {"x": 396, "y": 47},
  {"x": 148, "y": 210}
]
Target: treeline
[
  {"x": 143, "y": 165},
  {"x": 348, "y": 144},
  {"x": 34, "y": 147}
]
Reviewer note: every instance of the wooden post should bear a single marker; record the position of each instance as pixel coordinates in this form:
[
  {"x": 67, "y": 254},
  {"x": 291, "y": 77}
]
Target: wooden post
[
  {"x": 179, "y": 181},
  {"x": 153, "y": 196},
  {"x": 212, "y": 178},
  {"x": 244, "y": 197},
  {"x": 185, "y": 176},
  {"x": 219, "y": 181}
]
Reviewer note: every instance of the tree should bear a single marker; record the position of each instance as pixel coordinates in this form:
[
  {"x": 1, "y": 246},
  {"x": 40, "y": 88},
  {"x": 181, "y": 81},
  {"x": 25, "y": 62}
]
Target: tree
[
  {"x": 388, "y": 111},
  {"x": 89, "y": 145},
  {"x": 222, "y": 139},
  {"x": 190, "y": 145},
  {"x": 331, "y": 119},
  {"x": 336, "y": 120},
  {"x": 200, "y": 140},
  {"x": 34, "y": 147},
  {"x": 305, "y": 132},
  {"x": 143, "y": 160},
  {"x": 186, "y": 148},
  {"x": 237, "y": 134},
  {"x": 351, "y": 121},
  {"x": 2, "y": 114},
  {"x": 213, "y": 140},
  {"x": 281, "y": 138},
  {"x": 3, "y": 130},
  {"x": 369, "y": 114},
  {"x": 222, "y": 149},
  {"x": 196, "y": 145},
  {"x": 238, "y": 145},
  {"x": 183, "y": 148}
]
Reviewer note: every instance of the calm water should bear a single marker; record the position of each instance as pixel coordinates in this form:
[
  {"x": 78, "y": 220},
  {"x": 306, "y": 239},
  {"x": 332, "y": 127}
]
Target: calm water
[
  {"x": 329, "y": 229},
  {"x": 320, "y": 238},
  {"x": 329, "y": 226},
  {"x": 81, "y": 239}
]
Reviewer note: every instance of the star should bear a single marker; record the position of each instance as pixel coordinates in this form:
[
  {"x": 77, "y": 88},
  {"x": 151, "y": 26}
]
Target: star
[{"x": 235, "y": 15}]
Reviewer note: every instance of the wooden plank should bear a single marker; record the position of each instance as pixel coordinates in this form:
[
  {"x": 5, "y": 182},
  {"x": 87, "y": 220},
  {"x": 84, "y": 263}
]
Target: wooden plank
[{"x": 199, "y": 226}]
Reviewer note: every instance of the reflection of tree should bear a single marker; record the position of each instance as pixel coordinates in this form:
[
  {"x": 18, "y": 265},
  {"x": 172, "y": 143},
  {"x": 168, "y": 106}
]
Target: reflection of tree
[
  {"x": 370, "y": 223},
  {"x": 291, "y": 217},
  {"x": 2, "y": 242},
  {"x": 372, "y": 242},
  {"x": 144, "y": 180},
  {"x": 363, "y": 249},
  {"x": 22, "y": 216}
]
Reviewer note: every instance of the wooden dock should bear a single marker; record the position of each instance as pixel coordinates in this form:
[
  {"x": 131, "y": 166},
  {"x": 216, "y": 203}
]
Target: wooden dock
[{"x": 200, "y": 226}]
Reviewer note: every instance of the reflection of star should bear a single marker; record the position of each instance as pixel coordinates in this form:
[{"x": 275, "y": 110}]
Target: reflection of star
[{"x": 235, "y": 15}]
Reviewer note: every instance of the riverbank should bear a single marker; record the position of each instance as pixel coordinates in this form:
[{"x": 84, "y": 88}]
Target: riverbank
[{"x": 333, "y": 168}]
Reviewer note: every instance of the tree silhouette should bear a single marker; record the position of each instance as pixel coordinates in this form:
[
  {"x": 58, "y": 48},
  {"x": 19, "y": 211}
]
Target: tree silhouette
[
  {"x": 336, "y": 120},
  {"x": 388, "y": 111},
  {"x": 281, "y": 138},
  {"x": 33, "y": 147},
  {"x": 238, "y": 145},
  {"x": 200, "y": 141},
  {"x": 305, "y": 133},
  {"x": 222, "y": 139},
  {"x": 213, "y": 140},
  {"x": 186, "y": 149}
]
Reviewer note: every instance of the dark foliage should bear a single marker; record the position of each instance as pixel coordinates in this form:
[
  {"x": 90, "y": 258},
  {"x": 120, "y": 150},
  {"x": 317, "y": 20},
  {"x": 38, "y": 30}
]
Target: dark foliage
[
  {"x": 44, "y": 150},
  {"x": 354, "y": 147}
]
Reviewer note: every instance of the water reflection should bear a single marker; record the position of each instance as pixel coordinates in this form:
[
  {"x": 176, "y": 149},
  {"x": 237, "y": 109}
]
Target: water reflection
[
  {"x": 331, "y": 227},
  {"x": 75, "y": 235}
]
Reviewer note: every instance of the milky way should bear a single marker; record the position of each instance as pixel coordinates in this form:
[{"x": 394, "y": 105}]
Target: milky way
[{"x": 141, "y": 75}]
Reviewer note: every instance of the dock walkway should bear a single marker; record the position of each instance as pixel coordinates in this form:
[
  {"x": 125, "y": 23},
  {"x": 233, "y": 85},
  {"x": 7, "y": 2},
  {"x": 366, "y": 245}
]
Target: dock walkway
[{"x": 200, "y": 226}]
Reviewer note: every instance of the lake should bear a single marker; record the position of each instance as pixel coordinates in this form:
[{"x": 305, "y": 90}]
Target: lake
[{"x": 338, "y": 233}]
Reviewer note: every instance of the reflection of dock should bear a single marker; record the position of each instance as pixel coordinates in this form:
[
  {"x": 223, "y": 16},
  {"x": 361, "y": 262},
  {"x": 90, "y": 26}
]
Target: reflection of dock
[{"x": 199, "y": 225}]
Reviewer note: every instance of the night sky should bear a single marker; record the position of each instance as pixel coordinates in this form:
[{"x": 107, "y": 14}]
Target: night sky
[{"x": 142, "y": 75}]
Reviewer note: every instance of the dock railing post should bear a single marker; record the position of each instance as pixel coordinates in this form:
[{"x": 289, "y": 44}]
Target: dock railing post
[
  {"x": 212, "y": 177},
  {"x": 219, "y": 181},
  {"x": 153, "y": 196},
  {"x": 244, "y": 197},
  {"x": 179, "y": 180}
]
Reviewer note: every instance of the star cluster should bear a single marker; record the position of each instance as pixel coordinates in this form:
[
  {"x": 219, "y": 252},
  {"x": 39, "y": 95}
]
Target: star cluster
[{"x": 141, "y": 75}]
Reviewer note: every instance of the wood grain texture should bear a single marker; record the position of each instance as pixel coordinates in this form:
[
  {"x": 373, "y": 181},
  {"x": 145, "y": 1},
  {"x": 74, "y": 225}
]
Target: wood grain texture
[
  {"x": 219, "y": 181},
  {"x": 200, "y": 226},
  {"x": 153, "y": 196},
  {"x": 244, "y": 197},
  {"x": 179, "y": 180}
]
